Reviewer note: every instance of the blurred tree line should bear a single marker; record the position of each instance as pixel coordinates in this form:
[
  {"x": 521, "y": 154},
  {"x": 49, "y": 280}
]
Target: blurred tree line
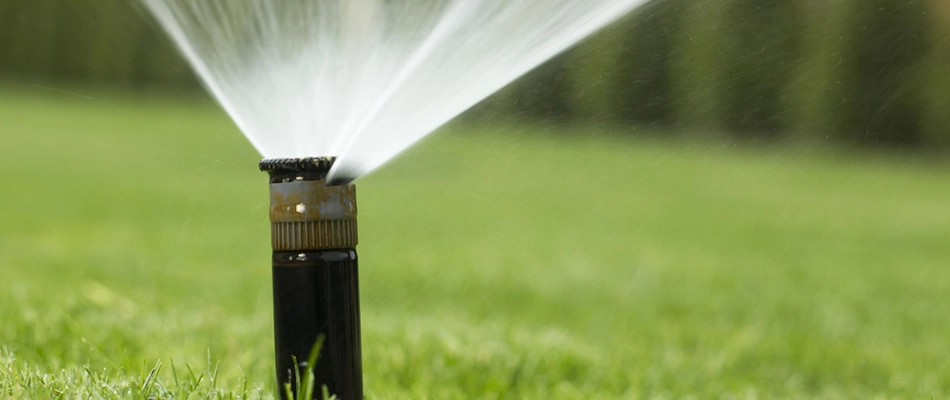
[
  {"x": 875, "y": 71},
  {"x": 92, "y": 40}
]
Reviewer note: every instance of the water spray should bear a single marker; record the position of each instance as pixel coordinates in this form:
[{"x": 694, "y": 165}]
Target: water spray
[
  {"x": 315, "y": 276},
  {"x": 303, "y": 77}
]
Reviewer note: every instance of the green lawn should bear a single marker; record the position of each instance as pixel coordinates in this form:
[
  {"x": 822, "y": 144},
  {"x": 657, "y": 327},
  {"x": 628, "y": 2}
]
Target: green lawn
[{"x": 496, "y": 263}]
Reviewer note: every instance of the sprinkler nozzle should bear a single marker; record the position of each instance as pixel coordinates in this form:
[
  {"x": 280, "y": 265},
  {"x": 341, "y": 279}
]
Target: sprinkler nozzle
[{"x": 316, "y": 281}]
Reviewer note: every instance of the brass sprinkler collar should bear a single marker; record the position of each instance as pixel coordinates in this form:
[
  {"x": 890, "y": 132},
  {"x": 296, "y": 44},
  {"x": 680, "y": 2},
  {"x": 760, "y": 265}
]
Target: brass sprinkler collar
[{"x": 305, "y": 213}]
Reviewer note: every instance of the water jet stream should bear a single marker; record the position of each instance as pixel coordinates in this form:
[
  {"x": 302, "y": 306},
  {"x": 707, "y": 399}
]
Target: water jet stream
[{"x": 362, "y": 80}]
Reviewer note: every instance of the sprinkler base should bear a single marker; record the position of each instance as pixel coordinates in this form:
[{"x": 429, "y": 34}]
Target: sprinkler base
[{"x": 316, "y": 294}]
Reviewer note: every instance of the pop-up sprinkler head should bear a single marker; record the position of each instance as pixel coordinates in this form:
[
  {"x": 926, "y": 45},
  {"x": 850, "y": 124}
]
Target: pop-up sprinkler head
[{"x": 316, "y": 285}]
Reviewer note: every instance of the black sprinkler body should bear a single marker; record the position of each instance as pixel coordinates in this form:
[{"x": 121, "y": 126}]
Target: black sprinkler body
[{"x": 316, "y": 280}]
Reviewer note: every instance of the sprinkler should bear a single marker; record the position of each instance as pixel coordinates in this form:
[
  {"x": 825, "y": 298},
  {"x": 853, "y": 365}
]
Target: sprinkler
[
  {"x": 440, "y": 56},
  {"x": 316, "y": 284}
]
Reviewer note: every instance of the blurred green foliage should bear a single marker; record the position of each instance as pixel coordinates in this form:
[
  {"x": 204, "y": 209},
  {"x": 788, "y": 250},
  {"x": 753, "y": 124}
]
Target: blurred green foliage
[
  {"x": 874, "y": 71},
  {"x": 93, "y": 40}
]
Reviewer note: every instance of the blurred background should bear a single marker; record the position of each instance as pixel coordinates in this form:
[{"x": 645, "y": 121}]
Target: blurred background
[
  {"x": 708, "y": 199},
  {"x": 868, "y": 71}
]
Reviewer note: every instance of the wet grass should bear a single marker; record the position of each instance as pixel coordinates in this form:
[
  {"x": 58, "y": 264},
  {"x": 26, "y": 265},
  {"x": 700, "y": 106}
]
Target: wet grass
[{"x": 496, "y": 263}]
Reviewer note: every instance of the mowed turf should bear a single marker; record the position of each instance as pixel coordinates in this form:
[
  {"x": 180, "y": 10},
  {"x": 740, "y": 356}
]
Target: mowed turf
[{"x": 495, "y": 263}]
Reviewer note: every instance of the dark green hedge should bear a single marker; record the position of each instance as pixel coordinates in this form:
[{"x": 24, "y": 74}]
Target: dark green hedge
[
  {"x": 864, "y": 70},
  {"x": 99, "y": 40}
]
